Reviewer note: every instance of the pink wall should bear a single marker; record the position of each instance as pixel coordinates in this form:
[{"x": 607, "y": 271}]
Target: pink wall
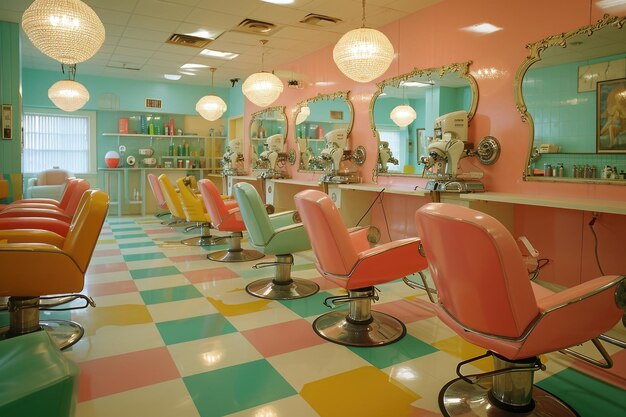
[{"x": 431, "y": 38}]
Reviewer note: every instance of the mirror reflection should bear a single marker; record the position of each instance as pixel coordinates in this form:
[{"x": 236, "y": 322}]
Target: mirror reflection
[
  {"x": 572, "y": 92},
  {"x": 268, "y": 131},
  {"x": 315, "y": 119},
  {"x": 405, "y": 108}
]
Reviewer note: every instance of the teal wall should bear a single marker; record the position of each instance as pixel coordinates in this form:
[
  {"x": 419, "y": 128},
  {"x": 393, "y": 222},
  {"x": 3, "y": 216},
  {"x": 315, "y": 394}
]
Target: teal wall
[
  {"x": 10, "y": 150},
  {"x": 235, "y": 101}
]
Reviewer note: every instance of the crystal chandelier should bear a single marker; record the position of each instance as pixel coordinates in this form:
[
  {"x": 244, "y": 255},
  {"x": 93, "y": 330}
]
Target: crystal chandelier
[
  {"x": 211, "y": 107},
  {"x": 68, "y": 95},
  {"x": 403, "y": 115},
  {"x": 68, "y": 31},
  {"x": 262, "y": 88},
  {"x": 363, "y": 54}
]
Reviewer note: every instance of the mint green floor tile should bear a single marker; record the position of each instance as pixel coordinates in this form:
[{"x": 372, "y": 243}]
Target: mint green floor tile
[
  {"x": 403, "y": 350},
  {"x": 302, "y": 267},
  {"x": 236, "y": 388},
  {"x": 136, "y": 245},
  {"x": 132, "y": 236},
  {"x": 194, "y": 328},
  {"x": 310, "y": 306},
  {"x": 129, "y": 228},
  {"x": 143, "y": 256},
  {"x": 588, "y": 396},
  {"x": 165, "y": 295},
  {"x": 154, "y": 272}
]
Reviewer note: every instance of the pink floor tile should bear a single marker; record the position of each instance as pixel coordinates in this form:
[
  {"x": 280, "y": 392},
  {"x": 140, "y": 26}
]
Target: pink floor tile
[
  {"x": 188, "y": 258},
  {"x": 106, "y": 252},
  {"x": 616, "y": 375},
  {"x": 106, "y": 376},
  {"x": 406, "y": 311},
  {"x": 111, "y": 288},
  {"x": 105, "y": 268},
  {"x": 212, "y": 274},
  {"x": 324, "y": 283},
  {"x": 284, "y": 337}
]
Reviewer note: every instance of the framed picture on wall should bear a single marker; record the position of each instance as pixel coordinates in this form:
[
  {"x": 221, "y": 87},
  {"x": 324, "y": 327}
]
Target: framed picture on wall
[{"x": 611, "y": 116}]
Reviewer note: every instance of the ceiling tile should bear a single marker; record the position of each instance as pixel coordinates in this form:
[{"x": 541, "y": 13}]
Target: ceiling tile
[
  {"x": 112, "y": 16},
  {"x": 146, "y": 34},
  {"x": 411, "y": 6},
  {"x": 133, "y": 52},
  {"x": 162, "y": 10},
  {"x": 213, "y": 19},
  {"x": 119, "y": 5},
  {"x": 233, "y": 7},
  {"x": 152, "y": 23},
  {"x": 140, "y": 44}
]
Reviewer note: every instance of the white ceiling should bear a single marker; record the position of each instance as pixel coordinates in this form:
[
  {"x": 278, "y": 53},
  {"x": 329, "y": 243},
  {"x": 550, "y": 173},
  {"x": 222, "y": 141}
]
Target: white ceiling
[{"x": 136, "y": 31}]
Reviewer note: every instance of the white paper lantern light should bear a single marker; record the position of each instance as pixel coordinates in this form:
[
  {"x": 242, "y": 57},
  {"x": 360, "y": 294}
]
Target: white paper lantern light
[
  {"x": 363, "y": 54},
  {"x": 68, "y": 95},
  {"x": 211, "y": 107},
  {"x": 403, "y": 115},
  {"x": 68, "y": 31}
]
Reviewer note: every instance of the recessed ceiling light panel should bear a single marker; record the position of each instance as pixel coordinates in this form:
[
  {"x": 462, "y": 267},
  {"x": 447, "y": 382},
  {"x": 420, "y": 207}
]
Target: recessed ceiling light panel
[{"x": 219, "y": 54}]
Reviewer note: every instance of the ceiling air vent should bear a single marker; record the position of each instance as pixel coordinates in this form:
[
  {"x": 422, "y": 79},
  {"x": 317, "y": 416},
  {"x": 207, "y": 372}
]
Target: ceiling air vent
[
  {"x": 154, "y": 103},
  {"x": 188, "y": 40},
  {"x": 320, "y": 20},
  {"x": 256, "y": 27}
]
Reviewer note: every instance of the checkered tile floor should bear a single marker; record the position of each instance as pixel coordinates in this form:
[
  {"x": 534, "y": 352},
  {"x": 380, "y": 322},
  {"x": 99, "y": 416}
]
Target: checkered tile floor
[{"x": 175, "y": 334}]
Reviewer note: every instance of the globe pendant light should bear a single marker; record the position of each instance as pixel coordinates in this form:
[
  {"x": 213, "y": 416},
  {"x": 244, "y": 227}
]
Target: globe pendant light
[
  {"x": 262, "y": 88},
  {"x": 363, "y": 54},
  {"x": 303, "y": 114},
  {"x": 211, "y": 107},
  {"x": 403, "y": 115},
  {"x": 68, "y": 95},
  {"x": 68, "y": 31}
]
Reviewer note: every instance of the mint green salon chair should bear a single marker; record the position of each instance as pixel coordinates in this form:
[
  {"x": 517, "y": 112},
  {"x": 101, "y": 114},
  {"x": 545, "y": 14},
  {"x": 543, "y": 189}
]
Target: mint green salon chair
[
  {"x": 36, "y": 379},
  {"x": 277, "y": 234}
]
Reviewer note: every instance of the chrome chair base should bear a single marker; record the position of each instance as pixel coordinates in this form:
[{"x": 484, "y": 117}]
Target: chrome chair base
[
  {"x": 64, "y": 333},
  {"x": 241, "y": 255},
  {"x": 335, "y": 327},
  {"x": 202, "y": 241},
  {"x": 269, "y": 288},
  {"x": 460, "y": 398}
]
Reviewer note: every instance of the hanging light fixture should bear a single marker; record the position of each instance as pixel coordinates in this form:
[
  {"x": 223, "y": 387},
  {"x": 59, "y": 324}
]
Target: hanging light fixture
[
  {"x": 68, "y": 95},
  {"x": 68, "y": 31},
  {"x": 363, "y": 54},
  {"x": 403, "y": 115},
  {"x": 211, "y": 107},
  {"x": 262, "y": 88}
]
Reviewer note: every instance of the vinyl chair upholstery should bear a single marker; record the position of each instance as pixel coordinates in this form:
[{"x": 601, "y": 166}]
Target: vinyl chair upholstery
[
  {"x": 486, "y": 297},
  {"x": 48, "y": 184},
  {"x": 42, "y": 209},
  {"x": 70, "y": 186},
  {"x": 172, "y": 199},
  {"x": 153, "y": 180},
  {"x": 277, "y": 234},
  {"x": 226, "y": 217},
  {"x": 38, "y": 263},
  {"x": 195, "y": 212},
  {"x": 347, "y": 260}
]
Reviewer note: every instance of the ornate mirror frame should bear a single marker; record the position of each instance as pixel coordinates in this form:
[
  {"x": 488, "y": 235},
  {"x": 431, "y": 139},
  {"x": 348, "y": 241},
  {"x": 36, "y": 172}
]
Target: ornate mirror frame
[
  {"x": 344, "y": 95},
  {"x": 535, "y": 54},
  {"x": 257, "y": 115},
  {"x": 459, "y": 68}
]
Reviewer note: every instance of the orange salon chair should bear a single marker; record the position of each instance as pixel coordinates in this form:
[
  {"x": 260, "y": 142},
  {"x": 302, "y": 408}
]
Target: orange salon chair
[
  {"x": 347, "y": 260},
  {"x": 38, "y": 263},
  {"x": 196, "y": 213},
  {"x": 50, "y": 210},
  {"x": 226, "y": 217},
  {"x": 486, "y": 297}
]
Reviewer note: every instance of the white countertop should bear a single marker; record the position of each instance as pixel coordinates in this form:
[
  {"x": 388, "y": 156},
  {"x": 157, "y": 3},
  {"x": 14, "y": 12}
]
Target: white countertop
[
  {"x": 588, "y": 204},
  {"x": 297, "y": 182},
  {"x": 387, "y": 190}
]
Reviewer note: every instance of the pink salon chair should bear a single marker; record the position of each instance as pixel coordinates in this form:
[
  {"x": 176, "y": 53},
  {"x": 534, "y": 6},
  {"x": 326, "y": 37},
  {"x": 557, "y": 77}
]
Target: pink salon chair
[
  {"x": 160, "y": 198},
  {"x": 486, "y": 297},
  {"x": 226, "y": 217},
  {"x": 49, "y": 210},
  {"x": 347, "y": 260}
]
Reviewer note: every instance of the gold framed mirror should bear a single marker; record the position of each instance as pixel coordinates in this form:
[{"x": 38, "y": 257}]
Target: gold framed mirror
[
  {"x": 571, "y": 91},
  {"x": 314, "y": 118},
  {"x": 431, "y": 93},
  {"x": 264, "y": 125}
]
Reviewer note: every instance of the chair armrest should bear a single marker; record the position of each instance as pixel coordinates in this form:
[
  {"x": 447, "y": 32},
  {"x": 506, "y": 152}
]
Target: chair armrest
[
  {"x": 32, "y": 236},
  {"x": 282, "y": 219},
  {"x": 31, "y": 205},
  {"x": 35, "y": 212},
  {"x": 288, "y": 239},
  {"x": 32, "y": 182},
  {"x": 358, "y": 236},
  {"x": 598, "y": 290}
]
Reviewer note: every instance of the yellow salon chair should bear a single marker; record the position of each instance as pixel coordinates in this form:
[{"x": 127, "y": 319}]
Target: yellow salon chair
[
  {"x": 38, "y": 263},
  {"x": 195, "y": 212}
]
